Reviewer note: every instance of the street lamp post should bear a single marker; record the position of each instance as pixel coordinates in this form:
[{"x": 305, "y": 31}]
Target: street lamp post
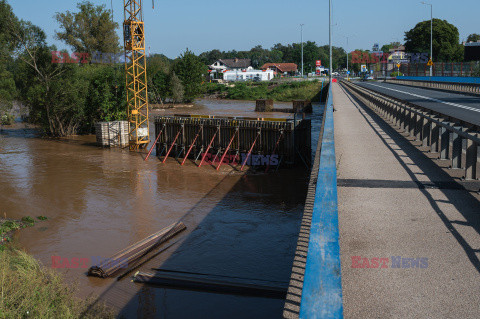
[
  {"x": 431, "y": 33},
  {"x": 301, "y": 39},
  {"x": 330, "y": 37},
  {"x": 348, "y": 74},
  {"x": 346, "y": 49}
]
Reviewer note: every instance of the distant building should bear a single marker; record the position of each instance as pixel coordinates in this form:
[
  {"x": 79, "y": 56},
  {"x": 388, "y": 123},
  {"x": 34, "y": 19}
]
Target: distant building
[
  {"x": 230, "y": 64},
  {"x": 400, "y": 48},
  {"x": 281, "y": 68},
  {"x": 218, "y": 68},
  {"x": 248, "y": 75},
  {"x": 472, "y": 51}
]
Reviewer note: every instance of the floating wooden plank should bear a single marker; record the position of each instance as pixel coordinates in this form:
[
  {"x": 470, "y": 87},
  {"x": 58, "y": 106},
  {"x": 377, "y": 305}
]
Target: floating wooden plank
[
  {"x": 214, "y": 283},
  {"x": 124, "y": 258}
]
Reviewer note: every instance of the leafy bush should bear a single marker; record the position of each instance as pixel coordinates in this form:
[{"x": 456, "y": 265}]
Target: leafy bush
[
  {"x": 7, "y": 119},
  {"x": 7, "y": 226},
  {"x": 29, "y": 221}
]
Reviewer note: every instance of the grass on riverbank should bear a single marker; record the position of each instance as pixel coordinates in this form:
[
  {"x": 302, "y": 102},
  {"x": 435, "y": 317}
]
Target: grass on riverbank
[
  {"x": 29, "y": 290},
  {"x": 9, "y": 226},
  {"x": 286, "y": 92}
]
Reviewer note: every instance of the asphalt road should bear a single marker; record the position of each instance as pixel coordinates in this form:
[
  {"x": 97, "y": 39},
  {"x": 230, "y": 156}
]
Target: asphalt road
[{"x": 463, "y": 107}]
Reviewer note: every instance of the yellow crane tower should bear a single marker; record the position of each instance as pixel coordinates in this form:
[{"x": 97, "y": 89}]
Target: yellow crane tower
[{"x": 136, "y": 74}]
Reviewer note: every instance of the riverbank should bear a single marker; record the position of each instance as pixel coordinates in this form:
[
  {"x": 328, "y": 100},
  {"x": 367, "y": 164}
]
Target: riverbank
[
  {"x": 29, "y": 290},
  {"x": 284, "y": 92},
  {"x": 165, "y": 106},
  {"x": 9, "y": 226}
]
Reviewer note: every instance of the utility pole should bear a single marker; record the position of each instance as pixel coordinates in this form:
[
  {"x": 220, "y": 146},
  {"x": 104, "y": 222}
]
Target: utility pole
[
  {"x": 330, "y": 38},
  {"x": 431, "y": 33},
  {"x": 348, "y": 75},
  {"x": 301, "y": 39}
]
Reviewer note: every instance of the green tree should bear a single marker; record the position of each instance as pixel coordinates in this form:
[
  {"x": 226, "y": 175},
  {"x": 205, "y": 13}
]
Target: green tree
[
  {"x": 210, "y": 57},
  {"x": 158, "y": 69},
  {"x": 64, "y": 99},
  {"x": 88, "y": 30},
  {"x": 8, "y": 23},
  {"x": 105, "y": 99},
  {"x": 446, "y": 40},
  {"x": 8, "y": 89},
  {"x": 474, "y": 37},
  {"x": 39, "y": 80},
  {"x": 191, "y": 71},
  {"x": 177, "y": 88},
  {"x": 161, "y": 87}
]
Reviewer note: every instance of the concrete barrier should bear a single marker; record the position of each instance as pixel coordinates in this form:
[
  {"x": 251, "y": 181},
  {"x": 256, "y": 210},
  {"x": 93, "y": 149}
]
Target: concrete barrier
[{"x": 472, "y": 88}]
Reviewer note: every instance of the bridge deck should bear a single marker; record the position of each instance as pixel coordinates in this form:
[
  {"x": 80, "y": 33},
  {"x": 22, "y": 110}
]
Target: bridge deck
[{"x": 387, "y": 208}]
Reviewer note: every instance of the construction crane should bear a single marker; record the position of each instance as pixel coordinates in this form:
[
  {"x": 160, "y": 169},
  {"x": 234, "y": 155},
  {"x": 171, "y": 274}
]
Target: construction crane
[{"x": 136, "y": 74}]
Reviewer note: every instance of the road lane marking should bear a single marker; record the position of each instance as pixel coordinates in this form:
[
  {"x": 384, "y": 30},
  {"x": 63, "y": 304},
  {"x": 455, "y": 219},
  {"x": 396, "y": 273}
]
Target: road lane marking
[{"x": 429, "y": 98}]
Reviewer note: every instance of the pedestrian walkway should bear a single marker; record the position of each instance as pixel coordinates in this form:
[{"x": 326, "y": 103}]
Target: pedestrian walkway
[{"x": 408, "y": 249}]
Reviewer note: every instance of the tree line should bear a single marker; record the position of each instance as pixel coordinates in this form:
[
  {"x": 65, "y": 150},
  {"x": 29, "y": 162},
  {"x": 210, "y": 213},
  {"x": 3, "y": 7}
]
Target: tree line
[{"x": 279, "y": 53}]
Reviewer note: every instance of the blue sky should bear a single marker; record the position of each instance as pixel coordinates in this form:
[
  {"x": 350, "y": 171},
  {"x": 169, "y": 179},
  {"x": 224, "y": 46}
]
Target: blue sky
[{"x": 213, "y": 24}]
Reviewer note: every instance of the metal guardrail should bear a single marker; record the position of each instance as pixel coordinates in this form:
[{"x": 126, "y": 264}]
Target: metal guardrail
[
  {"x": 470, "y": 88},
  {"x": 448, "y": 79},
  {"x": 322, "y": 286},
  {"x": 454, "y": 142}
]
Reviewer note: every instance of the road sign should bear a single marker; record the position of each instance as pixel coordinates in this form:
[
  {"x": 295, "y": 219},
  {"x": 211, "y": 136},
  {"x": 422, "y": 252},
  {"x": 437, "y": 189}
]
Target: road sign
[
  {"x": 348, "y": 72},
  {"x": 318, "y": 63},
  {"x": 430, "y": 62},
  {"x": 364, "y": 68},
  {"x": 399, "y": 65}
]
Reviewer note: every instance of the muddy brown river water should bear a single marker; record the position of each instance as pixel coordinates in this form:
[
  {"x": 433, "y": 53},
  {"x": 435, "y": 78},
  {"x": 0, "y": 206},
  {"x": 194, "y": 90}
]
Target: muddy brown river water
[{"x": 99, "y": 201}]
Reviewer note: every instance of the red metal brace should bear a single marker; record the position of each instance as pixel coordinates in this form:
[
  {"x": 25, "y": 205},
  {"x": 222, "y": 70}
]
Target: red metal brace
[
  {"x": 193, "y": 143},
  {"x": 226, "y": 150},
  {"x": 173, "y": 143},
  {"x": 155, "y": 143},
  {"x": 250, "y": 151},
  {"x": 274, "y": 150},
  {"x": 208, "y": 148}
]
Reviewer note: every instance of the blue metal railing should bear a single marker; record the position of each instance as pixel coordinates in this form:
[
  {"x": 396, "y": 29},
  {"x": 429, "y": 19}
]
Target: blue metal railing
[
  {"x": 451, "y": 79},
  {"x": 322, "y": 285}
]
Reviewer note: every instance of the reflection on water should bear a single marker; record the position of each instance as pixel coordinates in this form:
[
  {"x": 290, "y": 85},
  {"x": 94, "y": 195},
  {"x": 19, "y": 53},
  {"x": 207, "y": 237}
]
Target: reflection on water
[{"x": 99, "y": 201}]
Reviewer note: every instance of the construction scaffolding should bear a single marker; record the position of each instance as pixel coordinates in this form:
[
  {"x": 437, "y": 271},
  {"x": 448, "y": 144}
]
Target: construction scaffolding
[
  {"x": 235, "y": 141},
  {"x": 136, "y": 74}
]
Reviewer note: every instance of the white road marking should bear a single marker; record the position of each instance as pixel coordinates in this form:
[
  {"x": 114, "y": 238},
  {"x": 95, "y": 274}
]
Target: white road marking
[{"x": 431, "y": 99}]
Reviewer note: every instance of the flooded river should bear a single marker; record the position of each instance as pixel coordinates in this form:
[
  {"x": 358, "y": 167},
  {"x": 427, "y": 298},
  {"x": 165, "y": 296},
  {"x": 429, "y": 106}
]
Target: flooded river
[{"x": 100, "y": 201}]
